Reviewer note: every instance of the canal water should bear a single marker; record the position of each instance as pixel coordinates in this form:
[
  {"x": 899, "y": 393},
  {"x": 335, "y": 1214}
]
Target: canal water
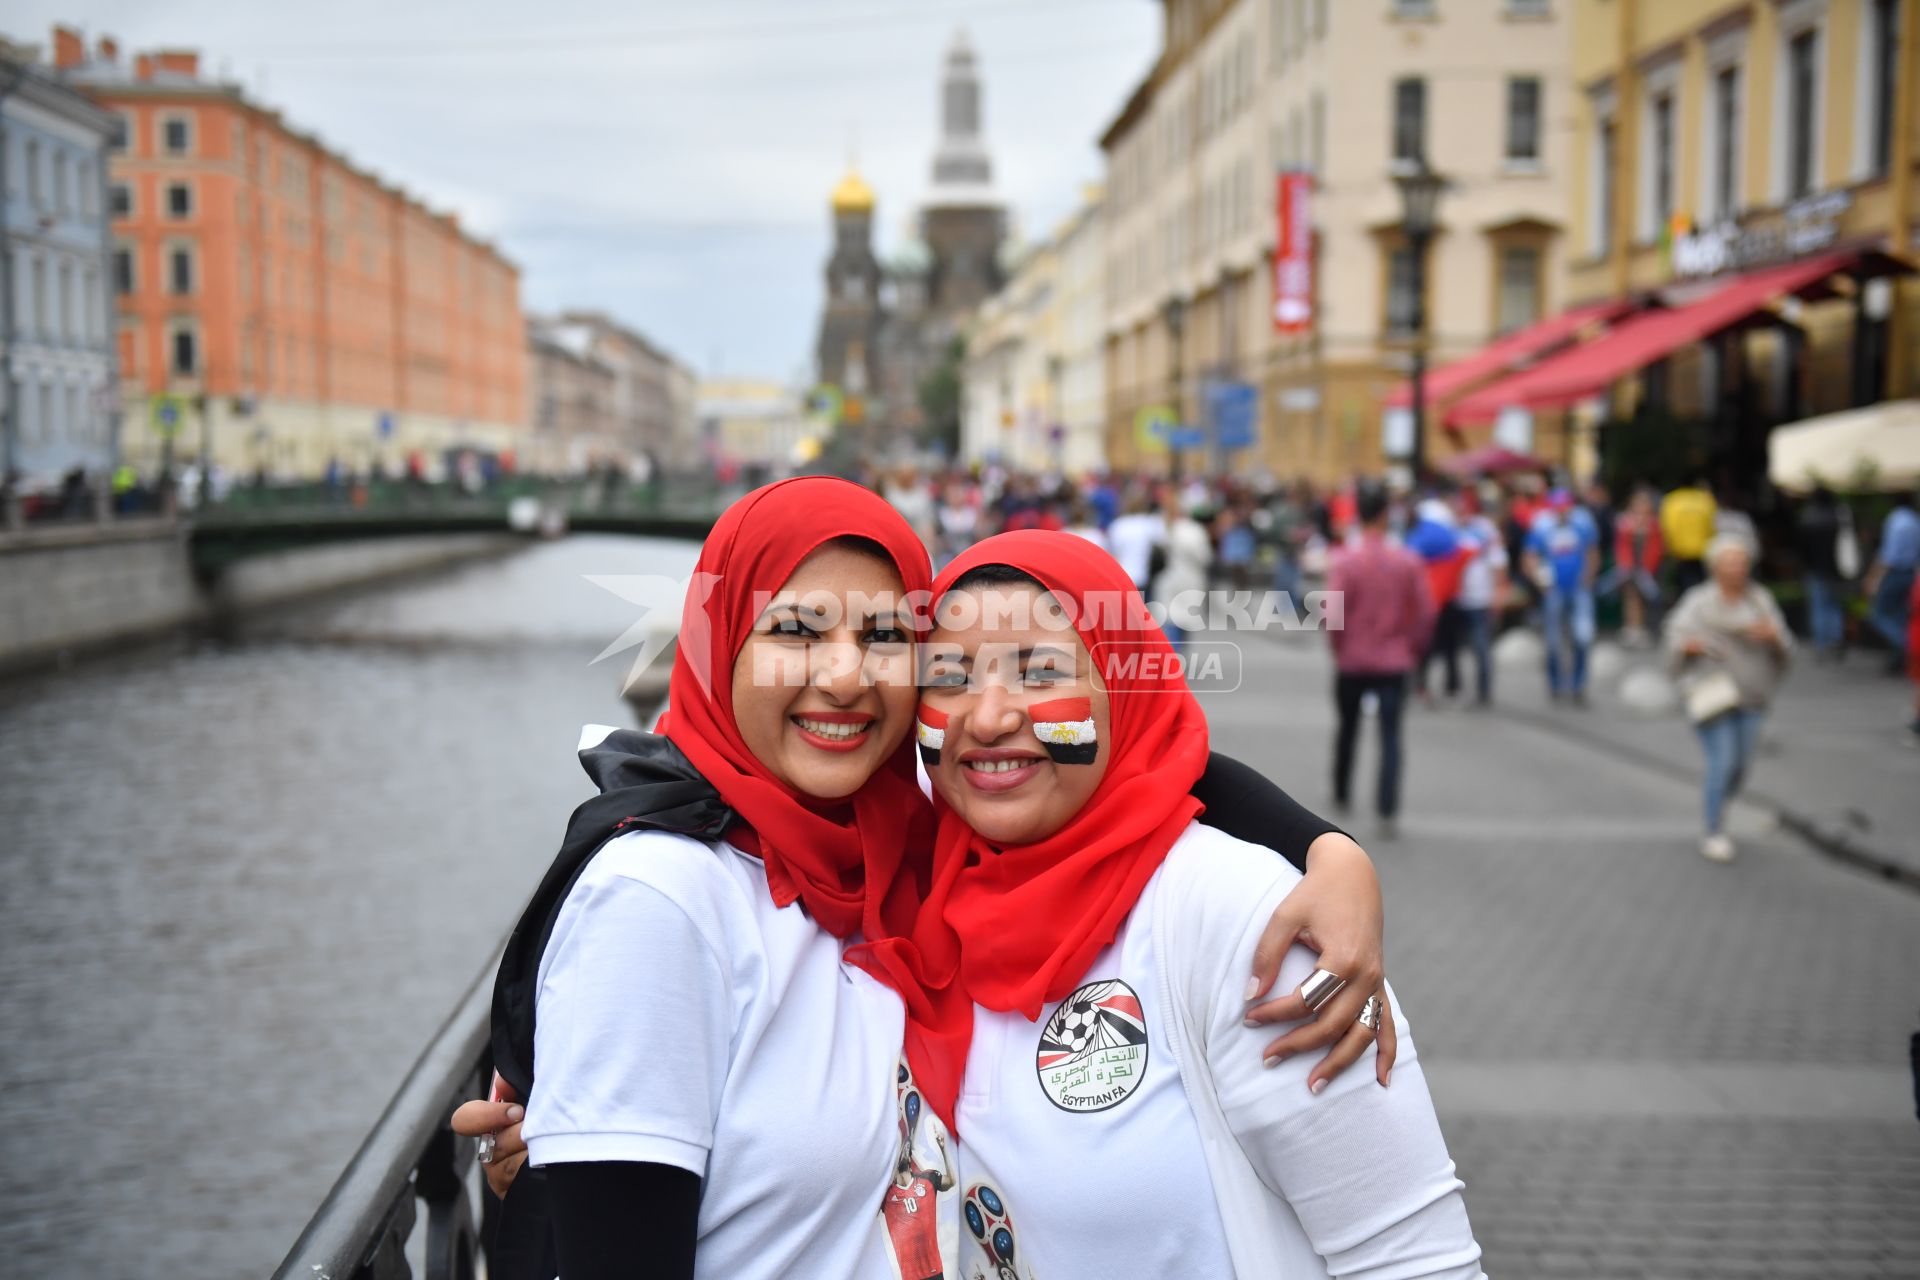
[{"x": 241, "y": 883}]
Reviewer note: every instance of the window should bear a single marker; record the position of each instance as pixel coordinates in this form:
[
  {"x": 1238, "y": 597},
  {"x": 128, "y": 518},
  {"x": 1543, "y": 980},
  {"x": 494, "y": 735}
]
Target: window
[
  {"x": 1519, "y": 287},
  {"x": 1413, "y": 8},
  {"x": 1724, "y": 188},
  {"x": 1802, "y": 86},
  {"x": 90, "y": 303},
  {"x": 121, "y": 132},
  {"x": 89, "y": 202},
  {"x": 40, "y": 324},
  {"x": 1660, "y": 125},
  {"x": 1409, "y": 119},
  {"x": 1523, "y": 120},
  {"x": 179, "y": 200},
  {"x": 180, "y": 269},
  {"x": 120, "y": 200},
  {"x": 1317, "y": 108},
  {"x": 1883, "y": 23},
  {"x": 62, "y": 184},
  {"x": 1605, "y": 153},
  {"x": 65, "y": 298},
  {"x": 1401, "y": 302},
  {"x": 176, "y": 135},
  {"x": 123, "y": 278},
  {"x": 183, "y": 354},
  {"x": 34, "y": 194},
  {"x": 1528, "y": 8}
]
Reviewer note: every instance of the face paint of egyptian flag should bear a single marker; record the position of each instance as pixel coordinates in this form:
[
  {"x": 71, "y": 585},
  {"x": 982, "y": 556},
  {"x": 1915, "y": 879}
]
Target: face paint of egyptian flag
[
  {"x": 932, "y": 731},
  {"x": 1065, "y": 728}
]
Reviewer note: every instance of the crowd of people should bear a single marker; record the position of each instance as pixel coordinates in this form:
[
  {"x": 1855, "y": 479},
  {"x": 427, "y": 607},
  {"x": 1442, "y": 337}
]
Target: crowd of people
[{"x": 1431, "y": 577}]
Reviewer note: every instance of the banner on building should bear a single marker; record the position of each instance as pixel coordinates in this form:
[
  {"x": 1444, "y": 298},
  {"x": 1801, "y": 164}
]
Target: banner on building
[{"x": 1293, "y": 254}]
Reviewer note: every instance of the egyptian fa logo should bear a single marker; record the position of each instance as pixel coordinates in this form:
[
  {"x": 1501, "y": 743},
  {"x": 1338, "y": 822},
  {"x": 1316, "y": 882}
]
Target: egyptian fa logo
[{"x": 1093, "y": 1050}]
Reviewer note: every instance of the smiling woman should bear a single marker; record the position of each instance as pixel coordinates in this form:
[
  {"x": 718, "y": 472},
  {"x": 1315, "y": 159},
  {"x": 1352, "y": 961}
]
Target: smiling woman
[
  {"x": 823, "y": 688},
  {"x": 1073, "y": 888}
]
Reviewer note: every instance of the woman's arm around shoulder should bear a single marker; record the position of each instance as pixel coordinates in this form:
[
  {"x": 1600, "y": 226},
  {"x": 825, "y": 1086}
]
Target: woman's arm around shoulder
[{"x": 1364, "y": 1169}]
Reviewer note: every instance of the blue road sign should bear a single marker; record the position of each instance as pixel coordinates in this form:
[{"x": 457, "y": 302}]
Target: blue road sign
[{"x": 1233, "y": 407}]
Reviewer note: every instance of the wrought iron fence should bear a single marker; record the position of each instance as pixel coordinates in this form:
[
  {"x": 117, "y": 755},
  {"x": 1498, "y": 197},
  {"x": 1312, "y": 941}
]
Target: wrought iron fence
[{"x": 410, "y": 1160}]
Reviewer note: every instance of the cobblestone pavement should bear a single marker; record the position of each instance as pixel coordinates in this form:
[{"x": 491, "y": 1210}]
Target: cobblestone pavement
[
  {"x": 1835, "y": 752},
  {"x": 1647, "y": 1065}
]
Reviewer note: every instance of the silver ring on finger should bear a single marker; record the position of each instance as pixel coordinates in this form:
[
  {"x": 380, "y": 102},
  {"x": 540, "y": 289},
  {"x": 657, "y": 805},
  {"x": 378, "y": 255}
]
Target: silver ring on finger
[
  {"x": 1321, "y": 987},
  {"x": 1370, "y": 1014},
  {"x": 488, "y": 1141}
]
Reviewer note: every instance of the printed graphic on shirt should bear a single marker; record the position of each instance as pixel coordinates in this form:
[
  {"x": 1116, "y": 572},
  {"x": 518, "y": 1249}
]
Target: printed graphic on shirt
[
  {"x": 1093, "y": 1050},
  {"x": 1065, "y": 728},
  {"x": 992, "y": 1228},
  {"x": 932, "y": 731},
  {"x": 911, "y": 1207}
]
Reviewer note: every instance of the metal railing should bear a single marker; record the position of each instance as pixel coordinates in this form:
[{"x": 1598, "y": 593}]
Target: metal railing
[{"x": 411, "y": 1159}]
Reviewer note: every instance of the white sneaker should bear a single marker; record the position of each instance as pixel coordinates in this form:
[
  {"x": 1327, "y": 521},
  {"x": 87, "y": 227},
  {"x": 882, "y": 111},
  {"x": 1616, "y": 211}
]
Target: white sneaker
[{"x": 1717, "y": 847}]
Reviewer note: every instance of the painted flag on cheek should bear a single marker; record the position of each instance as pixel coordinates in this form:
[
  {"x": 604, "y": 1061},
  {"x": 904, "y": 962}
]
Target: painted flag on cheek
[
  {"x": 932, "y": 734},
  {"x": 1065, "y": 728}
]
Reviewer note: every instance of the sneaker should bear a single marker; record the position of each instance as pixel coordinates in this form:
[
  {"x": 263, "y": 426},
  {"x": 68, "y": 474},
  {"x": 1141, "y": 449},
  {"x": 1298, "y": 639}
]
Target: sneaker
[{"x": 1716, "y": 847}]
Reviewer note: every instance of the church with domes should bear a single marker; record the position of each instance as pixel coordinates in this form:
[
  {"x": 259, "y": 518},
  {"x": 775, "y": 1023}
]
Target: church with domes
[{"x": 886, "y": 324}]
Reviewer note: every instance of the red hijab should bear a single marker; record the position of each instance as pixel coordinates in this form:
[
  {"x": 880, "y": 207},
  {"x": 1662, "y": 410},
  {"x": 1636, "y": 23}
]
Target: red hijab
[
  {"x": 1019, "y": 925},
  {"x": 844, "y": 862}
]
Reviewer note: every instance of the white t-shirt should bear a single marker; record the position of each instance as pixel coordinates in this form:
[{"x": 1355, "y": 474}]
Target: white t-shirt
[
  {"x": 1082, "y": 1147},
  {"x": 1132, "y": 539},
  {"x": 1477, "y": 579},
  {"x": 685, "y": 1020}
]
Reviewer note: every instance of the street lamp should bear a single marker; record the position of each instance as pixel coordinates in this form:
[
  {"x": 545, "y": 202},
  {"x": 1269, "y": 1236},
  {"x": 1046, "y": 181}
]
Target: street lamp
[
  {"x": 1420, "y": 191},
  {"x": 1174, "y": 311}
]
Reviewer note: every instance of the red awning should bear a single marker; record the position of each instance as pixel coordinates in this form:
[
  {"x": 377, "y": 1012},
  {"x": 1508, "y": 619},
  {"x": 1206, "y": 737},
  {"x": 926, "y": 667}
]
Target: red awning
[
  {"x": 1640, "y": 340},
  {"x": 1503, "y": 355}
]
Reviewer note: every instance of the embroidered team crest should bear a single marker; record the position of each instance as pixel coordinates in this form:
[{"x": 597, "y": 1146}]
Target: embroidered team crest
[
  {"x": 931, "y": 728},
  {"x": 1093, "y": 1050},
  {"x": 1065, "y": 728}
]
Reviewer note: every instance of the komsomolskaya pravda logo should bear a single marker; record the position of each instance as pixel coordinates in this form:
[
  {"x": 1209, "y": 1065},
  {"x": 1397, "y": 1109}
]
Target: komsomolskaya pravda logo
[{"x": 1093, "y": 1050}]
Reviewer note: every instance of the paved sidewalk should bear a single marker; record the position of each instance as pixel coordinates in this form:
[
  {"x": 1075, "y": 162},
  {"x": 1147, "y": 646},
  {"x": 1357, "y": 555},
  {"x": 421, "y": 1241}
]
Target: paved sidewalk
[
  {"x": 1646, "y": 1064},
  {"x": 1835, "y": 764}
]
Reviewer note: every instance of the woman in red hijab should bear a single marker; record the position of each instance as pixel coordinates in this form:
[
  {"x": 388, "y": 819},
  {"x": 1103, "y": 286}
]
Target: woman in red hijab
[
  {"x": 720, "y": 957},
  {"x": 1114, "y": 1115}
]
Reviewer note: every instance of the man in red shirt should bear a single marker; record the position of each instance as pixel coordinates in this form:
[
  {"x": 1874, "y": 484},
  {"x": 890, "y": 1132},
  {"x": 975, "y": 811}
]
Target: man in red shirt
[
  {"x": 912, "y": 1217},
  {"x": 1388, "y": 615}
]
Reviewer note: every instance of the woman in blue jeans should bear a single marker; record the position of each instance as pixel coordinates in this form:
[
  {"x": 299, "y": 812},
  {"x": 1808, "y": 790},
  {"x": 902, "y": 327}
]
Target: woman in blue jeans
[{"x": 1728, "y": 627}]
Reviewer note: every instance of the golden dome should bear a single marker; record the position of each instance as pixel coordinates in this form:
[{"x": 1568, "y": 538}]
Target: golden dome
[{"x": 852, "y": 195}]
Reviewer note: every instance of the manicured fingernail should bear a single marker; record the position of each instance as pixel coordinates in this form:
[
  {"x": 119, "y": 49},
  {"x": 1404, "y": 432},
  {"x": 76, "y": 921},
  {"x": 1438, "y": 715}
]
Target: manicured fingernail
[
  {"x": 515, "y": 1114},
  {"x": 1387, "y": 1080},
  {"x": 1275, "y": 1060},
  {"x": 1253, "y": 986},
  {"x": 1253, "y": 1022},
  {"x": 1317, "y": 1086}
]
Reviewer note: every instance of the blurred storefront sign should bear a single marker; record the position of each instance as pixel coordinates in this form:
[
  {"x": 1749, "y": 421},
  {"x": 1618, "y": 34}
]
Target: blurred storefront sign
[
  {"x": 1293, "y": 254},
  {"x": 1804, "y": 227}
]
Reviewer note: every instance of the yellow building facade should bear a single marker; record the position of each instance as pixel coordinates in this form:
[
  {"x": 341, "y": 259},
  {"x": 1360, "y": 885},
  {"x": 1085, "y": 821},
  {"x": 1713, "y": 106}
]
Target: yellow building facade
[
  {"x": 1714, "y": 138},
  {"x": 1351, "y": 94}
]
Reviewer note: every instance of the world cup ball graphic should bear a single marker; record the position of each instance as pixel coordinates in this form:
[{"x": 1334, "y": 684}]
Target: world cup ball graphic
[{"x": 988, "y": 1220}]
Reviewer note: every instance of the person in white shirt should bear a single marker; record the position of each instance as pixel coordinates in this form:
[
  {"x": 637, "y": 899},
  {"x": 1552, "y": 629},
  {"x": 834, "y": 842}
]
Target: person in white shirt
[
  {"x": 694, "y": 989},
  {"x": 1112, "y": 1119},
  {"x": 1483, "y": 589},
  {"x": 1133, "y": 536}
]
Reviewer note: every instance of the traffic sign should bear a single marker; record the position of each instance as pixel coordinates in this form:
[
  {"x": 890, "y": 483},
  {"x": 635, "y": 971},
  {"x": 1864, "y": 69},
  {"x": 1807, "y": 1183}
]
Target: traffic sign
[{"x": 164, "y": 411}]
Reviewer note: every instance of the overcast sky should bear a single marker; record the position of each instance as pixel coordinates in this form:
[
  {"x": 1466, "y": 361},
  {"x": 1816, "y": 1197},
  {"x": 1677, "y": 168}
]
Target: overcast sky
[{"x": 667, "y": 162}]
